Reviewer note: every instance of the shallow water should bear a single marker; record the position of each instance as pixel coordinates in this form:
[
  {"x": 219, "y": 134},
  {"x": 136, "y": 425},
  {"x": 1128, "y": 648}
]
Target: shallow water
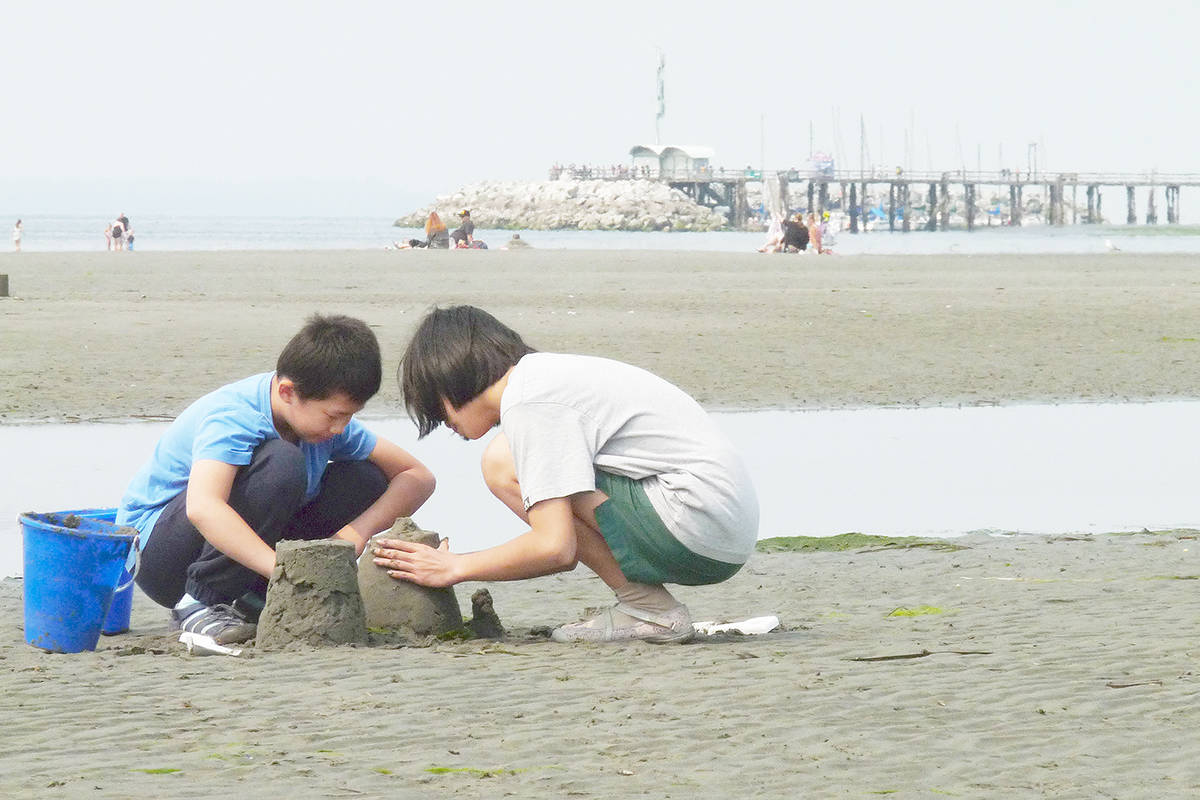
[{"x": 1080, "y": 468}]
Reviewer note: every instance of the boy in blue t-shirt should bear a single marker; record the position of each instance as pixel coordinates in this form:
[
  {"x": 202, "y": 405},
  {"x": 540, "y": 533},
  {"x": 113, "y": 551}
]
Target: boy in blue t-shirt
[{"x": 274, "y": 456}]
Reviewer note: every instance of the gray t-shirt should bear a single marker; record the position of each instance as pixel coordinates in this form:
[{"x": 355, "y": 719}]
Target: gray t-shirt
[{"x": 567, "y": 415}]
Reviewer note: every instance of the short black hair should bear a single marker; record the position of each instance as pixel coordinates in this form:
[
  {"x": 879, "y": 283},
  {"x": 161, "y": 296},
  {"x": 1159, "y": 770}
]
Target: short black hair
[
  {"x": 333, "y": 354},
  {"x": 456, "y": 354}
]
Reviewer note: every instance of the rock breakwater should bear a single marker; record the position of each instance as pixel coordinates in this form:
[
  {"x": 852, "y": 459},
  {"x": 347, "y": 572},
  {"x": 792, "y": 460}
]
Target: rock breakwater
[{"x": 633, "y": 205}]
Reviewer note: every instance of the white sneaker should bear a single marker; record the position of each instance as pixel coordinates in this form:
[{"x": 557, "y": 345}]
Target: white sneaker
[
  {"x": 209, "y": 631},
  {"x": 624, "y": 623}
]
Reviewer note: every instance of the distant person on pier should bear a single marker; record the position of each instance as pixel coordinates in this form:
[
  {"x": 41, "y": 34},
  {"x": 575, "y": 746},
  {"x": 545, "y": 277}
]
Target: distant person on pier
[{"x": 465, "y": 232}]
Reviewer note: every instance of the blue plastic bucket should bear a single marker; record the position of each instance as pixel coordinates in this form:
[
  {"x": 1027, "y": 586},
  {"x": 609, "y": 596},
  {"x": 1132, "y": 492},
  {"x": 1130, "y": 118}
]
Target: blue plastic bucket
[
  {"x": 72, "y": 565},
  {"x": 117, "y": 620}
]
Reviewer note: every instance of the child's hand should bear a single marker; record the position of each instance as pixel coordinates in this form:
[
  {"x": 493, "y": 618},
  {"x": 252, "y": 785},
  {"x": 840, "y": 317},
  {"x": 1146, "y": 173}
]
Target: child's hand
[
  {"x": 350, "y": 535},
  {"x": 416, "y": 562}
]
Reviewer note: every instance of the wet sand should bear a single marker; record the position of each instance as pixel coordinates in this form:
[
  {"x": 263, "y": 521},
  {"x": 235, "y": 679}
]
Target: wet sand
[
  {"x": 1025, "y": 666},
  {"x": 1033, "y": 667},
  {"x": 128, "y": 335}
]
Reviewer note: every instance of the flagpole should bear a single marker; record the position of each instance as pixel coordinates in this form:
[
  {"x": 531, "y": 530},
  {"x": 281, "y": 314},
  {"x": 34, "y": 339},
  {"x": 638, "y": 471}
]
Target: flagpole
[{"x": 662, "y": 102}]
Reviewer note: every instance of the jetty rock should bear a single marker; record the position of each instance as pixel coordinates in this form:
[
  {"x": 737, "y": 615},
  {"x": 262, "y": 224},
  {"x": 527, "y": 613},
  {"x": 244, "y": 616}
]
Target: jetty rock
[{"x": 588, "y": 205}]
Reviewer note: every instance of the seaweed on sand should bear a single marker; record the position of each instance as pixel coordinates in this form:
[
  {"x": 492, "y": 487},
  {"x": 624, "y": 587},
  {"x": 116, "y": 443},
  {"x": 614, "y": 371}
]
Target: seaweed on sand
[{"x": 852, "y": 541}]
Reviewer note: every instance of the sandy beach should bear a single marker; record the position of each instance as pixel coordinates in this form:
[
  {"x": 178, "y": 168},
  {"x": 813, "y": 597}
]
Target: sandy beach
[
  {"x": 1031, "y": 667},
  {"x": 1014, "y": 666},
  {"x": 129, "y": 335}
]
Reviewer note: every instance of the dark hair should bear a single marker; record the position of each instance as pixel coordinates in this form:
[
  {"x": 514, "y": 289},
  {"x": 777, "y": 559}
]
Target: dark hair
[
  {"x": 333, "y": 354},
  {"x": 456, "y": 354}
]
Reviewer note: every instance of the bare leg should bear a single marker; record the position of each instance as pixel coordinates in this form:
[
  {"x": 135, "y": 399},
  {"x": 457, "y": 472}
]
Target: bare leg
[
  {"x": 644, "y": 611},
  {"x": 500, "y": 475}
]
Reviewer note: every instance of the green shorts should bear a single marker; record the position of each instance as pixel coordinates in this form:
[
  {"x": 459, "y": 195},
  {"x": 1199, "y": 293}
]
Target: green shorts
[{"x": 645, "y": 550}]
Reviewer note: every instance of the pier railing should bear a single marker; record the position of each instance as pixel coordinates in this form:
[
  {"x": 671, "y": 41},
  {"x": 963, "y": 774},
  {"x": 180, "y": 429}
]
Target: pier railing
[{"x": 882, "y": 175}]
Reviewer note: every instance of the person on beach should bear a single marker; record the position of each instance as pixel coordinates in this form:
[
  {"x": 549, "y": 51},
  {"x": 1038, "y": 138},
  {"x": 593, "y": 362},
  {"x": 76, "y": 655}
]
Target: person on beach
[
  {"x": 608, "y": 464},
  {"x": 436, "y": 236},
  {"x": 826, "y": 239},
  {"x": 108, "y": 240},
  {"x": 16, "y": 236},
  {"x": 118, "y": 235},
  {"x": 814, "y": 233},
  {"x": 774, "y": 242},
  {"x": 795, "y": 235},
  {"x": 275, "y": 456},
  {"x": 464, "y": 234}
]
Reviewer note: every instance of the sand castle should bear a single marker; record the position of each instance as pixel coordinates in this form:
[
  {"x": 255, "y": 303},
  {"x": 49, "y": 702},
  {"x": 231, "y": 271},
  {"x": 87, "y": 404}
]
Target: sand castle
[
  {"x": 401, "y": 606},
  {"x": 313, "y": 597}
]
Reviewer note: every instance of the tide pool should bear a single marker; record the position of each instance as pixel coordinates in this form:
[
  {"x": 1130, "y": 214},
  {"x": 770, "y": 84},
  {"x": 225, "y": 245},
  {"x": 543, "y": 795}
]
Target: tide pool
[{"x": 1076, "y": 468}]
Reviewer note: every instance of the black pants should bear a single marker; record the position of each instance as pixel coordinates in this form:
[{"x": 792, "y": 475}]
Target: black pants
[{"x": 268, "y": 493}]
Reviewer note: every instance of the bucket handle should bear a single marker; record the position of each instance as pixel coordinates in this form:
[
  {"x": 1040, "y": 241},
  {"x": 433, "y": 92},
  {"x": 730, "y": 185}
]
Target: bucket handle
[{"x": 137, "y": 563}]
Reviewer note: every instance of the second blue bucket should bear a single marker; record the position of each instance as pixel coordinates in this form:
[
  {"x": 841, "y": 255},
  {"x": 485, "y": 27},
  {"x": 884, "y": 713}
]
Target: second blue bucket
[
  {"x": 117, "y": 620},
  {"x": 72, "y": 566}
]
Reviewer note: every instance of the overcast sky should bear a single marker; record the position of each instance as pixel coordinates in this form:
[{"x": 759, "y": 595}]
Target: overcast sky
[{"x": 374, "y": 108}]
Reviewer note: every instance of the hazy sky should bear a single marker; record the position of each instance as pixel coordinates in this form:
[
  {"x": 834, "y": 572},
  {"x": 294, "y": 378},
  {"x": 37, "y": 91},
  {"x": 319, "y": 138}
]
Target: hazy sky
[{"x": 376, "y": 107}]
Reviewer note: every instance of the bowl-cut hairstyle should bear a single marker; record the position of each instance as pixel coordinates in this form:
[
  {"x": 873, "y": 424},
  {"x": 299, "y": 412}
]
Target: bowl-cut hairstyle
[{"x": 456, "y": 353}]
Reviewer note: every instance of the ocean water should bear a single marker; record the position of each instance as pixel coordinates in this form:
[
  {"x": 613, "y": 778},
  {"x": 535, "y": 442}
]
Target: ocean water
[
  {"x": 157, "y": 233},
  {"x": 1072, "y": 468}
]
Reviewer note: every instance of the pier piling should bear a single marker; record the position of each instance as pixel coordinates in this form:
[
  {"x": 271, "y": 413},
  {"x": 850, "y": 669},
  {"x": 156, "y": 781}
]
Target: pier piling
[{"x": 854, "y": 209}]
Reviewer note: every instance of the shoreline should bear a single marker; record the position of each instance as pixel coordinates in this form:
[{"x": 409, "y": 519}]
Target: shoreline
[{"x": 385, "y": 416}]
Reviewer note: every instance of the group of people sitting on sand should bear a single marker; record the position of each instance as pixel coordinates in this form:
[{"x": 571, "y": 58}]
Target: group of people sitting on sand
[
  {"x": 437, "y": 238},
  {"x": 795, "y": 235}
]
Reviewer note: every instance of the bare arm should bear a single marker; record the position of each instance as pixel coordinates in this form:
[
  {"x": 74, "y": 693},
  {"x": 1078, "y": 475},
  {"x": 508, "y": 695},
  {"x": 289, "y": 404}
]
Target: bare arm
[
  {"x": 410, "y": 483},
  {"x": 208, "y": 509},
  {"x": 548, "y": 547}
]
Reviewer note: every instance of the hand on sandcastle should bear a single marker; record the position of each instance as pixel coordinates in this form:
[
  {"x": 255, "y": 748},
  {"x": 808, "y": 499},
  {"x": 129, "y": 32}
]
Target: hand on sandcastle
[{"x": 416, "y": 562}]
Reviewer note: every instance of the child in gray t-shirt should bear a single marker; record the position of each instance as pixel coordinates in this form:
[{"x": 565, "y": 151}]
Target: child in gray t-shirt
[{"x": 608, "y": 464}]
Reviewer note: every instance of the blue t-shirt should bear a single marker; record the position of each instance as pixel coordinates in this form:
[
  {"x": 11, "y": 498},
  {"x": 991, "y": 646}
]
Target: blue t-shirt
[{"x": 226, "y": 425}]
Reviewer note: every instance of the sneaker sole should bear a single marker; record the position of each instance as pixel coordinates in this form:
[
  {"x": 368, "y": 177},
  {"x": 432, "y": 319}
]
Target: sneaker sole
[{"x": 200, "y": 644}]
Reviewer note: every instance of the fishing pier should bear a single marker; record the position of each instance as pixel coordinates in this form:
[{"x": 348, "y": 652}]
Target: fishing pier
[
  {"x": 921, "y": 200},
  {"x": 897, "y": 195}
]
